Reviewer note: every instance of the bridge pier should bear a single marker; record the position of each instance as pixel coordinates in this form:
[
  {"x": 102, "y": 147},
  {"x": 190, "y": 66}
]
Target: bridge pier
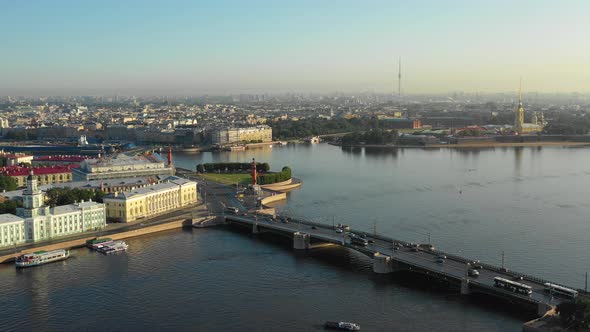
[
  {"x": 300, "y": 241},
  {"x": 382, "y": 264},
  {"x": 465, "y": 288},
  {"x": 255, "y": 229},
  {"x": 542, "y": 308}
]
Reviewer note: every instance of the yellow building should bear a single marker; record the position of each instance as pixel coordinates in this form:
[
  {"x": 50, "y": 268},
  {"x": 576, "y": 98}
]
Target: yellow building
[
  {"x": 44, "y": 175},
  {"x": 173, "y": 193},
  {"x": 237, "y": 135}
]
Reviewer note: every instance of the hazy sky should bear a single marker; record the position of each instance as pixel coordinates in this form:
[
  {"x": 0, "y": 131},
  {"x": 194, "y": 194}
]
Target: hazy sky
[{"x": 250, "y": 46}]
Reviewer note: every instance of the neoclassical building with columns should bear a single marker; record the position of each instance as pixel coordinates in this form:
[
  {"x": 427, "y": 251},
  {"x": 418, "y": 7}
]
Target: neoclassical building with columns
[
  {"x": 173, "y": 193},
  {"x": 36, "y": 221}
]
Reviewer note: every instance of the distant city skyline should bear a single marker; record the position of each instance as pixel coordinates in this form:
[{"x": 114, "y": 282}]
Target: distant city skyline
[{"x": 233, "y": 47}]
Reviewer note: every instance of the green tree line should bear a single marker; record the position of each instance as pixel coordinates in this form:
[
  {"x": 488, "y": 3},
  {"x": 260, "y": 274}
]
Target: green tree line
[
  {"x": 7, "y": 183},
  {"x": 283, "y": 175},
  {"x": 10, "y": 206},
  {"x": 231, "y": 167},
  {"x": 64, "y": 196}
]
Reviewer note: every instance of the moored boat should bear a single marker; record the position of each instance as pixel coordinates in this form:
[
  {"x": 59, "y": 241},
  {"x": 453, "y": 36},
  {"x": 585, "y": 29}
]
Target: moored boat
[
  {"x": 41, "y": 257},
  {"x": 112, "y": 247},
  {"x": 96, "y": 241},
  {"x": 345, "y": 326},
  {"x": 115, "y": 248}
]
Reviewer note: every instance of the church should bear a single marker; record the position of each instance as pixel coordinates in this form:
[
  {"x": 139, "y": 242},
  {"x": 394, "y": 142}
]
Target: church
[
  {"x": 36, "y": 221},
  {"x": 522, "y": 128}
]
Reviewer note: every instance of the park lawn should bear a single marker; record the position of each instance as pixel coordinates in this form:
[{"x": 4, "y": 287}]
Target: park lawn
[{"x": 229, "y": 179}]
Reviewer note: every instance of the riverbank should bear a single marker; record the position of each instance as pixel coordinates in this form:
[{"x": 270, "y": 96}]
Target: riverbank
[
  {"x": 177, "y": 219},
  {"x": 465, "y": 145}
]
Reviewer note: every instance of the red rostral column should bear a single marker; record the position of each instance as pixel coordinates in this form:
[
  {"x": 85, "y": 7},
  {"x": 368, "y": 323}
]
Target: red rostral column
[
  {"x": 169, "y": 155},
  {"x": 253, "y": 171}
]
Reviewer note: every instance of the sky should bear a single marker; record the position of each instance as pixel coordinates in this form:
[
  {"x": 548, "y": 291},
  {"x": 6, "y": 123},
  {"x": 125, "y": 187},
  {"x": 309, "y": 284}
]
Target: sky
[{"x": 144, "y": 47}]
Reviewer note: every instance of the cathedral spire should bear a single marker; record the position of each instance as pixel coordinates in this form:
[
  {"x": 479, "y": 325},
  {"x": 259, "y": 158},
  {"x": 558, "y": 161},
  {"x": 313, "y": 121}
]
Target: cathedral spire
[{"x": 519, "y": 114}]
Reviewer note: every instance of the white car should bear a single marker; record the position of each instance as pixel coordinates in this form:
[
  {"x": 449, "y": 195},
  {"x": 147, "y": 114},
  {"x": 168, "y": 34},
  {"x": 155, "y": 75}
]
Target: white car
[{"x": 339, "y": 230}]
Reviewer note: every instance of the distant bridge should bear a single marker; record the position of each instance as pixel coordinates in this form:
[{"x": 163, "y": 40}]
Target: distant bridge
[{"x": 386, "y": 259}]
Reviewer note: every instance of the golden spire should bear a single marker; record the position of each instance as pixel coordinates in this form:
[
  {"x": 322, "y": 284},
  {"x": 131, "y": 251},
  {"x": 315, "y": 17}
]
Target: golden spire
[{"x": 520, "y": 92}]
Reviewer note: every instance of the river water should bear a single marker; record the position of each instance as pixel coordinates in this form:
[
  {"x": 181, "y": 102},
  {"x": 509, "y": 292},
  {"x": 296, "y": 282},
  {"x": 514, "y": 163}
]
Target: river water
[{"x": 530, "y": 203}]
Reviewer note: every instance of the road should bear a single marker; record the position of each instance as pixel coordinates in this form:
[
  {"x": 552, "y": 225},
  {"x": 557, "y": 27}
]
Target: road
[{"x": 422, "y": 258}]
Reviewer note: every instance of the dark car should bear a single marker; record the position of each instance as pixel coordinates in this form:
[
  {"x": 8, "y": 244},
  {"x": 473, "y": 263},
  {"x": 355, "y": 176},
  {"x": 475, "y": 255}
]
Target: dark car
[
  {"x": 313, "y": 227},
  {"x": 359, "y": 241}
]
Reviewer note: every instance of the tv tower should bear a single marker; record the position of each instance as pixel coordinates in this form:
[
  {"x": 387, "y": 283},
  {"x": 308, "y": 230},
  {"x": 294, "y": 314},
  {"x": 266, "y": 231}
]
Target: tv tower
[
  {"x": 399, "y": 83},
  {"x": 399, "y": 78}
]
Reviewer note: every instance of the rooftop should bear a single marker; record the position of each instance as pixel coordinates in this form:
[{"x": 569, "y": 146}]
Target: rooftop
[
  {"x": 9, "y": 218},
  {"x": 64, "y": 209},
  {"x": 65, "y": 158},
  {"x": 89, "y": 185},
  {"x": 22, "y": 171},
  {"x": 172, "y": 182},
  {"x": 123, "y": 159}
]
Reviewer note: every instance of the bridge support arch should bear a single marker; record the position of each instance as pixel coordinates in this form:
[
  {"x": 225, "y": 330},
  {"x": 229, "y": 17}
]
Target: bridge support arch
[
  {"x": 300, "y": 241},
  {"x": 382, "y": 264}
]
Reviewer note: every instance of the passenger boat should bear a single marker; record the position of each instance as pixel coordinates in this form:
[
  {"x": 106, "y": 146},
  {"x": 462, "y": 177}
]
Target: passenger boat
[
  {"x": 98, "y": 246},
  {"x": 41, "y": 257},
  {"x": 345, "y": 326},
  {"x": 112, "y": 247},
  {"x": 115, "y": 248},
  {"x": 96, "y": 241}
]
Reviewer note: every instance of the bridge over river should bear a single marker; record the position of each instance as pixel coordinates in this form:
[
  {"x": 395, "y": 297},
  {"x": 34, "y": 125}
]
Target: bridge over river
[{"x": 423, "y": 259}]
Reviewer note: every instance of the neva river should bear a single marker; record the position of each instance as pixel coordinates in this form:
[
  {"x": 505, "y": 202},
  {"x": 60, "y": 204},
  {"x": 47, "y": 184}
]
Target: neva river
[{"x": 531, "y": 203}]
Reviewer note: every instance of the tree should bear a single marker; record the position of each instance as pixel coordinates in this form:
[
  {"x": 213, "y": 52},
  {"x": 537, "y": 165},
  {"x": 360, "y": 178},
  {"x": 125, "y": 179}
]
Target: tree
[
  {"x": 7, "y": 183},
  {"x": 64, "y": 196},
  {"x": 10, "y": 206}
]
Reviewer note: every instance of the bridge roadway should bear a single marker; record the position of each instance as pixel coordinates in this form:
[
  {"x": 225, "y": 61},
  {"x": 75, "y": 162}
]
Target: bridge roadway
[{"x": 423, "y": 260}]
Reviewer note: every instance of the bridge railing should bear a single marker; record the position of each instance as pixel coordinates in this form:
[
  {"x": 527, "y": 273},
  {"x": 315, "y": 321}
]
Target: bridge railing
[{"x": 439, "y": 252}]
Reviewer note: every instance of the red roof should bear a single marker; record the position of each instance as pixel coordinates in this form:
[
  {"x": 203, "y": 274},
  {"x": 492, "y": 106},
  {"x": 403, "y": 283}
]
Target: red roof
[
  {"x": 21, "y": 171},
  {"x": 75, "y": 159}
]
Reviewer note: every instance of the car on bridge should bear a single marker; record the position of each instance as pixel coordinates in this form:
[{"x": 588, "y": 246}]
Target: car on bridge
[
  {"x": 476, "y": 265},
  {"x": 232, "y": 209},
  {"x": 359, "y": 241},
  {"x": 473, "y": 273}
]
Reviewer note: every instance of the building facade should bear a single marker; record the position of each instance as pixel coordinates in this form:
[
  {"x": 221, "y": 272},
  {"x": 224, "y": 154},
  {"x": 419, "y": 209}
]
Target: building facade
[
  {"x": 173, "y": 193},
  {"x": 122, "y": 166},
  {"x": 241, "y": 135},
  {"x": 44, "y": 175},
  {"x": 37, "y": 222},
  {"x": 14, "y": 159}
]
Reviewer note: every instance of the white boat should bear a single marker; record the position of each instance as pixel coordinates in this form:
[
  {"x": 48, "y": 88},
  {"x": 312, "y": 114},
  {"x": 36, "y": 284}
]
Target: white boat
[
  {"x": 113, "y": 247},
  {"x": 346, "y": 326},
  {"x": 101, "y": 245},
  {"x": 41, "y": 257},
  {"x": 116, "y": 248}
]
